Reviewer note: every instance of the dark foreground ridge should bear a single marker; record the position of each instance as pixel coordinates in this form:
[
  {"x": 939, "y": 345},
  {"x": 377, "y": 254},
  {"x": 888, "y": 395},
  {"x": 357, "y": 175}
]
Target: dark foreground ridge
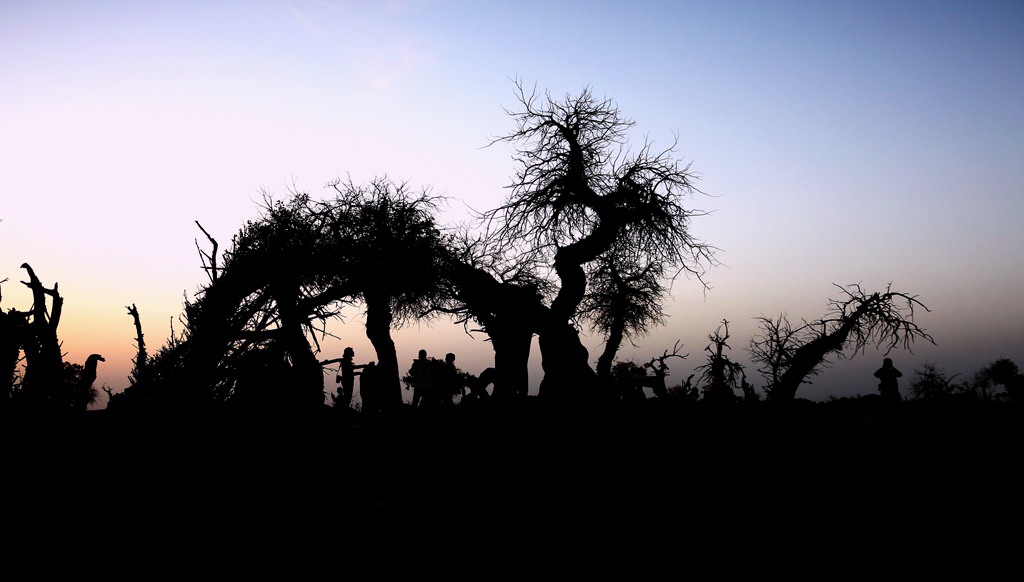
[{"x": 672, "y": 475}]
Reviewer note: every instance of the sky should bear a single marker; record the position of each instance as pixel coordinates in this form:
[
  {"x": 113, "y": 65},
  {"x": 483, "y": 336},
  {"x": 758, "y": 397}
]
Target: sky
[{"x": 835, "y": 142}]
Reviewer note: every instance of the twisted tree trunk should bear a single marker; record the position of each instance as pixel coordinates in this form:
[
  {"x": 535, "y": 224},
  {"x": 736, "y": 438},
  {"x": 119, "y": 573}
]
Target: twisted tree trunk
[{"x": 378, "y": 330}]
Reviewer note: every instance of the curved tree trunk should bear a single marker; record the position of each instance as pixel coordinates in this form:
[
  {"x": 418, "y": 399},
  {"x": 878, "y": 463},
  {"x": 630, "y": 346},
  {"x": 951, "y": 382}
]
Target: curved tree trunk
[
  {"x": 611, "y": 347},
  {"x": 566, "y": 361},
  {"x": 509, "y": 314},
  {"x": 567, "y": 371},
  {"x": 378, "y": 331},
  {"x": 306, "y": 370},
  {"x": 810, "y": 355},
  {"x": 511, "y": 345}
]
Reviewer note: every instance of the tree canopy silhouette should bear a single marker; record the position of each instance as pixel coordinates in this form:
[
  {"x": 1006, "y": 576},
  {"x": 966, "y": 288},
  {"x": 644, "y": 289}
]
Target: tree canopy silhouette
[
  {"x": 250, "y": 334},
  {"x": 788, "y": 355},
  {"x": 387, "y": 246},
  {"x": 579, "y": 195},
  {"x": 622, "y": 302}
]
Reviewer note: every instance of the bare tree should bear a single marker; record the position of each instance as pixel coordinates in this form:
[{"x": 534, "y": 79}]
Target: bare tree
[
  {"x": 247, "y": 332},
  {"x": 931, "y": 383},
  {"x": 138, "y": 373},
  {"x": 390, "y": 249},
  {"x": 853, "y": 322},
  {"x": 774, "y": 346},
  {"x": 580, "y": 193},
  {"x": 658, "y": 366},
  {"x": 622, "y": 302},
  {"x": 721, "y": 376},
  {"x": 504, "y": 296},
  {"x": 44, "y": 384}
]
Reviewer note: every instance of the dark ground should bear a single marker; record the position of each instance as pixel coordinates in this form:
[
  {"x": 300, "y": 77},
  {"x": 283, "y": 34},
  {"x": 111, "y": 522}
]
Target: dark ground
[{"x": 678, "y": 480}]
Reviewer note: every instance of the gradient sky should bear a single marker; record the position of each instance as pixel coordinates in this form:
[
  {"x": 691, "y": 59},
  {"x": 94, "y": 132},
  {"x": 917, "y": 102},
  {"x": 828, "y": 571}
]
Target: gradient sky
[{"x": 838, "y": 142}]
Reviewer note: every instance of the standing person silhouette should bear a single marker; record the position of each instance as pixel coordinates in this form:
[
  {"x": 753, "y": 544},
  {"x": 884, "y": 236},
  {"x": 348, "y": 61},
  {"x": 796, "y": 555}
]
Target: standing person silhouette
[
  {"x": 450, "y": 382},
  {"x": 888, "y": 383},
  {"x": 422, "y": 383},
  {"x": 347, "y": 377}
]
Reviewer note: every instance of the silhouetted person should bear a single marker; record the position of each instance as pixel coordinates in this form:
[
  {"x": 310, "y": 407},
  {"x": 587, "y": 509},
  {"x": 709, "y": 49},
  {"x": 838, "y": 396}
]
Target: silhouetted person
[
  {"x": 888, "y": 383},
  {"x": 422, "y": 383},
  {"x": 449, "y": 383},
  {"x": 347, "y": 377},
  {"x": 368, "y": 388}
]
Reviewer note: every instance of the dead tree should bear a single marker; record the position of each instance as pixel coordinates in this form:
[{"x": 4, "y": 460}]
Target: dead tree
[
  {"x": 504, "y": 297},
  {"x": 856, "y": 320},
  {"x": 139, "y": 374},
  {"x": 773, "y": 348},
  {"x": 578, "y": 195},
  {"x": 720, "y": 374},
  {"x": 659, "y": 368},
  {"x": 44, "y": 383},
  {"x": 622, "y": 302}
]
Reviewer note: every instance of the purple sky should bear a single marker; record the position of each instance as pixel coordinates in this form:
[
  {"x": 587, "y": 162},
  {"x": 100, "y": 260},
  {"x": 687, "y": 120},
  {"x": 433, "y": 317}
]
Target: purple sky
[{"x": 842, "y": 142}]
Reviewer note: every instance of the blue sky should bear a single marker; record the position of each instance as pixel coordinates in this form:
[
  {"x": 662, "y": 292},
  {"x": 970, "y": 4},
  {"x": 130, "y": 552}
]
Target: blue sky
[{"x": 840, "y": 142}]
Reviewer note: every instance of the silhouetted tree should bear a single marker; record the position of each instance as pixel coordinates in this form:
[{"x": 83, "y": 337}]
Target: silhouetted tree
[
  {"x": 858, "y": 319},
  {"x": 505, "y": 296},
  {"x": 1000, "y": 373},
  {"x": 622, "y": 302},
  {"x": 13, "y": 334},
  {"x": 773, "y": 348},
  {"x": 249, "y": 306},
  {"x": 720, "y": 375},
  {"x": 79, "y": 382},
  {"x": 931, "y": 383},
  {"x": 257, "y": 311},
  {"x": 394, "y": 255},
  {"x": 139, "y": 371},
  {"x": 659, "y": 368},
  {"x": 579, "y": 194},
  {"x": 44, "y": 384},
  {"x": 628, "y": 379}
]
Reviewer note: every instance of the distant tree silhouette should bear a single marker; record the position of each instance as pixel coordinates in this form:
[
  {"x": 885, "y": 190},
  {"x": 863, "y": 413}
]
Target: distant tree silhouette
[
  {"x": 580, "y": 194},
  {"x": 789, "y": 355},
  {"x": 140, "y": 363},
  {"x": 931, "y": 383},
  {"x": 47, "y": 381},
  {"x": 1000, "y": 373},
  {"x": 773, "y": 348},
  {"x": 720, "y": 375},
  {"x": 622, "y": 302},
  {"x": 659, "y": 368},
  {"x": 628, "y": 379},
  {"x": 44, "y": 384},
  {"x": 165, "y": 371}
]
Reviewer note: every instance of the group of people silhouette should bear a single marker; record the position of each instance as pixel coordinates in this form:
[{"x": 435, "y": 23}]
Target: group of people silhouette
[{"x": 434, "y": 383}]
